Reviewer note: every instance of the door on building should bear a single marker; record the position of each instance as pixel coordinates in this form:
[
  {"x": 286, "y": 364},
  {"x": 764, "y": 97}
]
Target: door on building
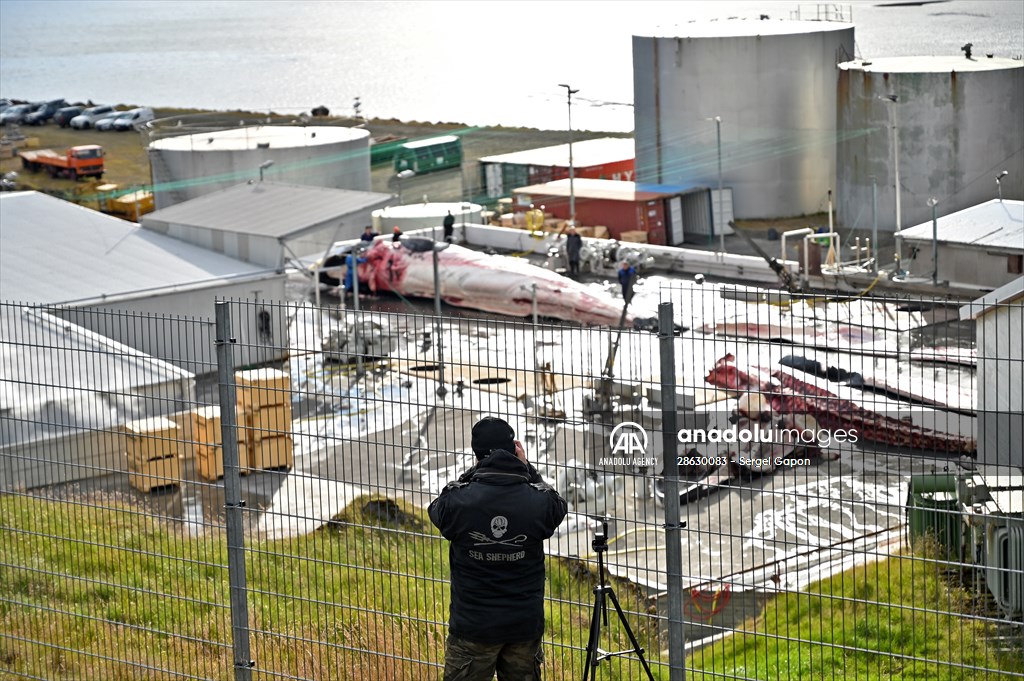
[
  {"x": 495, "y": 187},
  {"x": 675, "y": 221}
]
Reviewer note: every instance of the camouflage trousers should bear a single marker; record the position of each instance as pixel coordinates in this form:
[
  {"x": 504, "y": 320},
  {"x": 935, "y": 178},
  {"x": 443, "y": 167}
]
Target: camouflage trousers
[{"x": 468, "y": 661}]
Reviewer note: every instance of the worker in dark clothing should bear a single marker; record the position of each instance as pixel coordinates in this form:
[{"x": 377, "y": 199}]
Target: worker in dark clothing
[
  {"x": 449, "y": 226},
  {"x": 573, "y": 246},
  {"x": 396, "y": 235},
  {"x": 496, "y": 516},
  {"x": 368, "y": 234},
  {"x": 627, "y": 277}
]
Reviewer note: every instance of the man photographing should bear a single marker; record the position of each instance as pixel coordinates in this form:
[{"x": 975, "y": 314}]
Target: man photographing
[{"x": 496, "y": 516}]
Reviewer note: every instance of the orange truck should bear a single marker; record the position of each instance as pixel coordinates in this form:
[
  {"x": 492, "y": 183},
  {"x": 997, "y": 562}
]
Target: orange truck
[{"x": 76, "y": 162}]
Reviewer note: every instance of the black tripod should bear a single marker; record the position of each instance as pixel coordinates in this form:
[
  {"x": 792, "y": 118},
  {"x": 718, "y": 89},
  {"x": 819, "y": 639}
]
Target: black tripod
[{"x": 601, "y": 591}]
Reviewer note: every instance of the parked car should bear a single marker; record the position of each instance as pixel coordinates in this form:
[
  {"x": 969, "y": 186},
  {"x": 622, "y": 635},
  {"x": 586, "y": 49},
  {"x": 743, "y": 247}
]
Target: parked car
[
  {"x": 63, "y": 116},
  {"x": 88, "y": 118},
  {"x": 105, "y": 123},
  {"x": 44, "y": 112},
  {"x": 4, "y": 103},
  {"x": 129, "y": 120},
  {"x": 16, "y": 113}
]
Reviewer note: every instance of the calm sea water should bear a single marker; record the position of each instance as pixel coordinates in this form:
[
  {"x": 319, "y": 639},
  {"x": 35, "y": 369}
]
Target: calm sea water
[{"x": 480, "y": 63}]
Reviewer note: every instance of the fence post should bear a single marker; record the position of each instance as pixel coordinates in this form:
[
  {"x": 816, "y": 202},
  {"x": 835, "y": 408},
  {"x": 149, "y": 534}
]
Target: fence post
[
  {"x": 233, "y": 496},
  {"x": 673, "y": 527}
]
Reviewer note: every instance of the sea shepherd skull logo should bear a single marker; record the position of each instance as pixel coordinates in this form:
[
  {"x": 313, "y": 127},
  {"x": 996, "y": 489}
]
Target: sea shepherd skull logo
[{"x": 499, "y": 528}]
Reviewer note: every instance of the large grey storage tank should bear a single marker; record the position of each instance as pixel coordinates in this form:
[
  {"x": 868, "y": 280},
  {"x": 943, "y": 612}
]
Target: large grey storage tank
[
  {"x": 772, "y": 83},
  {"x": 191, "y": 165},
  {"x": 948, "y": 125}
]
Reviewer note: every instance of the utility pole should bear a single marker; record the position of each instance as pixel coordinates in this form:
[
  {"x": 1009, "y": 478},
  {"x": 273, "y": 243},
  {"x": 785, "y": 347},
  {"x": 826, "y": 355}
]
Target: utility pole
[{"x": 572, "y": 172}]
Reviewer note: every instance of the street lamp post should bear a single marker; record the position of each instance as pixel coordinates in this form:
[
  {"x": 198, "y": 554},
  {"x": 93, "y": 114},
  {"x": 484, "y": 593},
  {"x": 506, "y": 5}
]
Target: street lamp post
[
  {"x": 999, "y": 183},
  {"x": 402, "y": 176},
  {"x": 895, "y": 154},
  {"x": 874, "y": 224},
  {"x": 933, "y": 202},
  {"x": 721, "y": 211},
  {"x": 264, "y": 166},
  {"x": 438, "y": 247},
  {"x": 572, "y": 172}
]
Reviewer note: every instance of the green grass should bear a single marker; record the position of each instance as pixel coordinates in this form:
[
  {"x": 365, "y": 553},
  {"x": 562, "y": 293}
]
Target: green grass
[
  {"x": 117, "y": 595},
  {"x": 104, "y": 592},
  {"x": 898, "y": 620}
]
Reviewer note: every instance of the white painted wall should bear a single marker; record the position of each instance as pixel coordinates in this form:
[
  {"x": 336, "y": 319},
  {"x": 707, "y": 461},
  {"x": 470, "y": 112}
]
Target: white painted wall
[
  {"x": 1000, "y": 333},
  {"x": 178, "y": 326}
]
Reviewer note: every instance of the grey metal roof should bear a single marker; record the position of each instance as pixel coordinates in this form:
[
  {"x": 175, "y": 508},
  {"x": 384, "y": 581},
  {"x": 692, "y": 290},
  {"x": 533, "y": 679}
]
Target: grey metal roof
[
  {"x": 584, "y": 154},
  {"x": 993, "y": 224},
  {"x": 57, "y": 252},
  {"x": 268, "y": 208}
]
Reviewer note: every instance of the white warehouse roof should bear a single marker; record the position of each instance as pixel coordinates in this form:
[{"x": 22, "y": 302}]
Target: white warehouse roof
[
  {"x": 37, "y": 350},
  {"x": 584, "y": 154},
  {"x": 993, "y": 224},
  {"x": 1005, "y": 294},
  {"x": 55, "y": 251},
  {"x": 269, "y": 209}
]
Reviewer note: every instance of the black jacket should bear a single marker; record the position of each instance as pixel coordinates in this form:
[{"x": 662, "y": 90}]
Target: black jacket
[
  {"x": 496, "y": 517},
  {"x": 573, "y": 246}
]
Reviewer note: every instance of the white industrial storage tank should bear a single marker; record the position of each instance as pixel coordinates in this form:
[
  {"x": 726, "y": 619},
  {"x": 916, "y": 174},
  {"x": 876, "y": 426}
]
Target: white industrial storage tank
[
  {"x": 187, "y": 166},
  {"x": 947, "y": 126},
  {"x": 424, "y": 215},
  {"x": 772, "y": 84}
]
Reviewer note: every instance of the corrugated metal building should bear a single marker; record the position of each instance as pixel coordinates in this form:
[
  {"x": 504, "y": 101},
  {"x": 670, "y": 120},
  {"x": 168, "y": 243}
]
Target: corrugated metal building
[
  {"x": 1000, "y": 338},
  {"x": 981, "y": 246},
  {"x": 268, "y": 224},
  {"x": 52, "y": 433},
  {"x": 667, "y": 213},
  {"x": 99, "y": 271},
  {"x": 607, "y": 158}
]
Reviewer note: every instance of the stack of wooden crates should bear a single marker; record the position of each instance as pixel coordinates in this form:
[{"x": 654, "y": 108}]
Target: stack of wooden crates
[
  {"x": 152, "y": 448},
  {"x": 263, "y": 416},
  {"x": 265, "y": 398}
]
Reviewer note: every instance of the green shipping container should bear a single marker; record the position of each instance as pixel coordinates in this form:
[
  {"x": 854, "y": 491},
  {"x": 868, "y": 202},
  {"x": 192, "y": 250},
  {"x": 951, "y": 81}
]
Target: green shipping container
[
  {"x": 382, "y": 149},
  {"x": 425, "y": 156}
]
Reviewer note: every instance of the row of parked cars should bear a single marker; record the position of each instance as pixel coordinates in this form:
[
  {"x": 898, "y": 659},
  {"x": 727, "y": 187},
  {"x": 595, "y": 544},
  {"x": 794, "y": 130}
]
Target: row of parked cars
[{"x": 101, "y": 117}]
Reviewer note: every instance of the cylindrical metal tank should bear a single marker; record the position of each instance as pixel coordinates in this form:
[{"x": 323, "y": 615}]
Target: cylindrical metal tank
[
  {"x": 187, "y": 166},
  {"x": 773, "y": 85},
  {"x": 946, "y": 125},
  {"x": 419, "y": 215}
]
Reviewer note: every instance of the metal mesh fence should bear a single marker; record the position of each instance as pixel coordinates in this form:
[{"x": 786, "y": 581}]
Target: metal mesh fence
[{"x": 848, "y": 475}]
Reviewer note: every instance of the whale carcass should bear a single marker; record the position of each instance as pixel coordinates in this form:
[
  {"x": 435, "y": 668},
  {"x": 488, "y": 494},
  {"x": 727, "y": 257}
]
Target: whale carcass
[
  {"x": 491, "y": 283},
  {"x": 789, "y": 394}
]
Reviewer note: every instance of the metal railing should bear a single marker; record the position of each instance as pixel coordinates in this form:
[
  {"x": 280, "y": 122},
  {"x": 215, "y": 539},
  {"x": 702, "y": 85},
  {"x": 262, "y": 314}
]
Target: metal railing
[{"x": 146, "y": 531}]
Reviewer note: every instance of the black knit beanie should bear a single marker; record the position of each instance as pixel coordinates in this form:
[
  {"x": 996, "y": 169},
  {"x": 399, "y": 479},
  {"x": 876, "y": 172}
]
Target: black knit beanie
[{"x": 492, "y": 433}]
